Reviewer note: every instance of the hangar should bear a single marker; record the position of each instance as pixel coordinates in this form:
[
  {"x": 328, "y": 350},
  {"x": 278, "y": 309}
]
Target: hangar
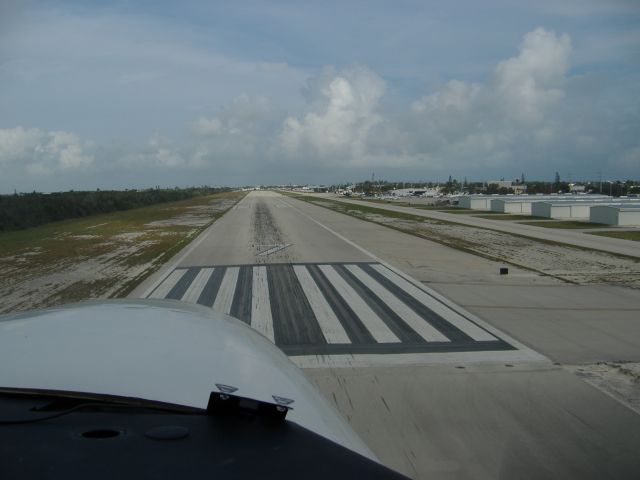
[
  {"x": 475, "y": 202},
  {"x": 522, "y": 203},
  {"x": 575, "y": 209},
  {"x": 624, "y": 215}
]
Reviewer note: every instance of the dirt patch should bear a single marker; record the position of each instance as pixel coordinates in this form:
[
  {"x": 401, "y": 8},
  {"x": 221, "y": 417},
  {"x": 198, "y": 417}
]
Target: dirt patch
[
  {"x": 60, "y": 263},
  {"x": 621, "y": 380}
]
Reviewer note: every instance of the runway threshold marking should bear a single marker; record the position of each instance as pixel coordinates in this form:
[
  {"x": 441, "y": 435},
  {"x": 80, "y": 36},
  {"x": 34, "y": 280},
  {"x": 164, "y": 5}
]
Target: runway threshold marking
[
  {"x": 261, "y": 318},
  {"x": 331, "y": 309},
  {"x": 195, "y": 289},
  {"x": 165, "y": 287},
  {"x": 332, "y": 329},
  {"x": 376, "y": 326},
  {"x": 469, "y": 328},
  {"x": 415, "y": 321},
  {"x": 224, "y": 299}
]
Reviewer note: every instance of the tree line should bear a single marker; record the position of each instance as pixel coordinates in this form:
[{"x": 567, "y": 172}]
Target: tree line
[{"x": 26, "y": 210}]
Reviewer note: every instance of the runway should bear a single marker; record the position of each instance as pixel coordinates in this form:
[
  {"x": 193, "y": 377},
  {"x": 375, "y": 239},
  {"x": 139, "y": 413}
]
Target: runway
[
  {"x": 322, "y": 309},
  {"x": 319, "y": 296},
  {"x": 432, "y": 388}
]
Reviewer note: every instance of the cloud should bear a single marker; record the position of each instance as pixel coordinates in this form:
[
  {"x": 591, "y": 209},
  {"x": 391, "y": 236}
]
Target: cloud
[
  {"x": 158, "y": 153},
  {"x": 43, "y": 153},
  {"x": 528, "y": 84},
  {"x": 207, "y": 127},
  {"x": 460, "y": 123},
  {"x": 242, "y": 132},
  {"x": 530, "y": 114},
  {"x": 525, "y": 115},
  {"x": 490, "y": 124},
  {"x": 342, "y": 111}
]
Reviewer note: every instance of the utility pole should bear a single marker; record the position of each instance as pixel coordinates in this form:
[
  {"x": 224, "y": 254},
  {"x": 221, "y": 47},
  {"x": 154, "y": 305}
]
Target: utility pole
[{"x": 600, "y": 177}]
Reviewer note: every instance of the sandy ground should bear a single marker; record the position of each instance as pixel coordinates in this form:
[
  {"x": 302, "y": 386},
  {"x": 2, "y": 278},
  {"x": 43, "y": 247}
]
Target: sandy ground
[
  {"x": 27, "y": 283},
  {"x": 621, "y": 380}
]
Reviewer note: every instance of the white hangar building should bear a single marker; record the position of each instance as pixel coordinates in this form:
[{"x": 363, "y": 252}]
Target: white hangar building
[{"x": 623, "y": 215}]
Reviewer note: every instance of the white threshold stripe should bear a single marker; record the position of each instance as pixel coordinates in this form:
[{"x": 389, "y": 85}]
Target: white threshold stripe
[
  {"x": 411, "y": 318},
  {"x": 454, "y": 318},
  {"x": 330, "y": 326},
  {"x": 368, "y": 317},
  {"x": 224, "y": 298},
  {"x": 195, "y": 289},
  {"x": 260, "y": 305},
  {"x": 165, "y": 287}
]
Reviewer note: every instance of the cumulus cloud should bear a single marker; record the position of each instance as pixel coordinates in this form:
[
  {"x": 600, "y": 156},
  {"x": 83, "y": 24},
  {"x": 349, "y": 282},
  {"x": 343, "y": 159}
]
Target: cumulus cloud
[
  {"x": 342, "y": 111},
  {"x": 159, "y": 152},
  {"x": 243, "y": 131},
  {"x": 40, "y": 152},
  {"x": 458, "y": 124},
  {"x": 528, "y": 84},
  {"x": 490, "y": 124},
  {"x": 529, "y": 114}
]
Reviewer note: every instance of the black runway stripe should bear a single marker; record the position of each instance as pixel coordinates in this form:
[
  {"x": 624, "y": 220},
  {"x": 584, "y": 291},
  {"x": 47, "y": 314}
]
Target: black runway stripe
[
  {"x": 210, "y": 290},
  {"x": 354, "y": 327},
  {"x": 181, "y": 287},
  {"x": 400, "y": 329},
  {"x": 294, "y": 321},
  {"x": 241, "y": 305},
  {"x": 451, "y": 332}
]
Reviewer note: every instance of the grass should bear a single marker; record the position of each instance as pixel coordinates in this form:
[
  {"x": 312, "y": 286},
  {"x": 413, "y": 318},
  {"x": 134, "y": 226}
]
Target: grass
[
  {"x": 505, "y": 216},
  {"x": 624, "y": 234},
  {"x": 361, "y": 211},
  {"x": 465, "y": 211},
  {"x": 569, "y": 224},
  {"x": 406, "y": 204},
  {"x": 118, "y": 241}
]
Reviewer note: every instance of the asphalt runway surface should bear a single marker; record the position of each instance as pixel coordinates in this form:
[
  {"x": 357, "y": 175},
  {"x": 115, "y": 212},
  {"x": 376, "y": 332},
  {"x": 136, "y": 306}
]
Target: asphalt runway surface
[{"x": 435, "y": 390}]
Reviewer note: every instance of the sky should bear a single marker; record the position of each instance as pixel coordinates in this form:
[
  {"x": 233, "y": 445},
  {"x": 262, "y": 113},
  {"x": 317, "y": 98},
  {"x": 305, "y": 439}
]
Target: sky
[{"x": 126, "y": 94}]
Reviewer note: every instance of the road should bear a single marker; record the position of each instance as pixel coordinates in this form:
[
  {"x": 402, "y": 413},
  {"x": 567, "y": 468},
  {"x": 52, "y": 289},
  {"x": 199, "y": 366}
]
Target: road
[
  {"x": 571, "y": 237},
  {"x": 434, "y": 388}
]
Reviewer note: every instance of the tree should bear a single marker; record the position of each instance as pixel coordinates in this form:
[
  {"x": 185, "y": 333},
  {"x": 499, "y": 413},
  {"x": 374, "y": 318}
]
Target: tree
[{"x": 557, "y": 180}]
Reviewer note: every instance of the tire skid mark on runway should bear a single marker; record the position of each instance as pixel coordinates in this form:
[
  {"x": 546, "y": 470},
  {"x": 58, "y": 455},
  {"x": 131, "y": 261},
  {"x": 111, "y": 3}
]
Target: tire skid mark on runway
[{"x": 326, "y": 309}]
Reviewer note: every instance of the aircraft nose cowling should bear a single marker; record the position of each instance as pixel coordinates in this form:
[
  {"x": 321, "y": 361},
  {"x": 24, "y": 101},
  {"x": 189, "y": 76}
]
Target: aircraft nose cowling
[{"x": 160, "y": 350}]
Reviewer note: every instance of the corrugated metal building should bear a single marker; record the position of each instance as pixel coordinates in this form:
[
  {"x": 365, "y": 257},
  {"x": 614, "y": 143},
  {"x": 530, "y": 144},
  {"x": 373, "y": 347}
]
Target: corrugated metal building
[
  {"x": 573, "y": 209},
  {"x": 522, "y": 204},
  {"x": 624, "y": 215}
]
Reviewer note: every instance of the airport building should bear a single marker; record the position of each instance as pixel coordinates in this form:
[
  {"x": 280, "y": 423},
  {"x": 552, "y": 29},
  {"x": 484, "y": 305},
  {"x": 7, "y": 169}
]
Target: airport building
[
  {"x": 476, "y": 202},
  {"x": 522, "y": 204},
  {"x": 623, "y": 215},
  {"x": 574, "y": 209},
  {"x": 516, "y": 203}
]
